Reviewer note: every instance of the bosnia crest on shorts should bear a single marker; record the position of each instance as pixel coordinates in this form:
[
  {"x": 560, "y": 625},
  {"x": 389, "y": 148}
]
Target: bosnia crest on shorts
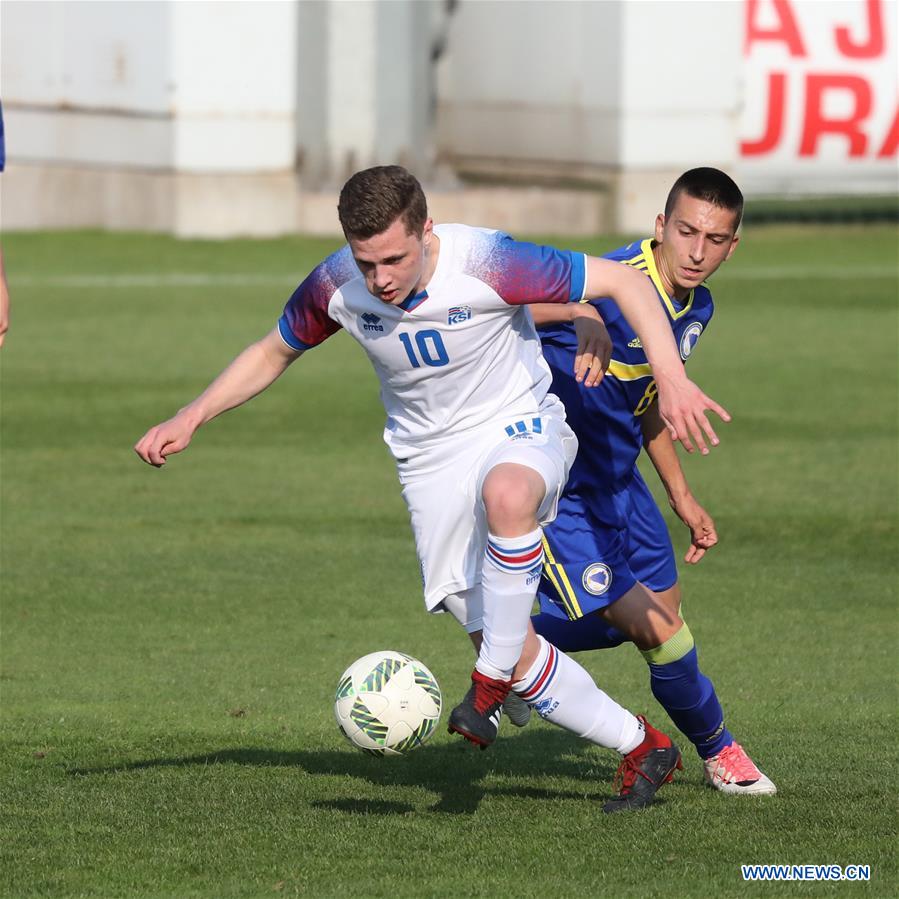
[{"x": 597, "y": 578}]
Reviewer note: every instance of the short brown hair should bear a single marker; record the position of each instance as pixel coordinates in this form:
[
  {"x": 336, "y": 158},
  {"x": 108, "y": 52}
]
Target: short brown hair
[{"x": 373, "y": 199}]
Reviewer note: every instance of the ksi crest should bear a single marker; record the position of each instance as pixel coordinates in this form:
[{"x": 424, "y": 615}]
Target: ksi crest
[{"x": 455, "y": 315}]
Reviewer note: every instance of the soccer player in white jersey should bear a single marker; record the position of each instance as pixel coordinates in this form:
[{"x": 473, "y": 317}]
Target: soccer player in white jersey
[{"x": 481, "y": 447}]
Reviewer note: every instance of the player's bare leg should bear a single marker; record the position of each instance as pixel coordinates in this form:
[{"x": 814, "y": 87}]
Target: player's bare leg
[
  {"x": 670, "y": 598},
  {"x": 644, "y": 617}
]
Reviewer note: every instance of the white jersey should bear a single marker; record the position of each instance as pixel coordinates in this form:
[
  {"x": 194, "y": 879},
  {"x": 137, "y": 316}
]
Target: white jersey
[{"x": 458, "y": 355}]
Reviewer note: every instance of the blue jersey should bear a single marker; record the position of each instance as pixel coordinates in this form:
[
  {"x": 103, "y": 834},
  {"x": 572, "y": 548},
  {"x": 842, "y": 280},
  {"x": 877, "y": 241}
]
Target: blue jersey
[{"x": 606, "y": 418}]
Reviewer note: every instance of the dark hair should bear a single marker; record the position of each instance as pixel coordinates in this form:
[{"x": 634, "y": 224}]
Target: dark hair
[
  {"x": 373, "y": 199},
  {"x": 711, "y": 185}
]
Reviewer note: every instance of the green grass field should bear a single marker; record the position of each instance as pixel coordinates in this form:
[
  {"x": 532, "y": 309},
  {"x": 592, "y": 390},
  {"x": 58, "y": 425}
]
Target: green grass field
[{"x": 172, "y": 639}]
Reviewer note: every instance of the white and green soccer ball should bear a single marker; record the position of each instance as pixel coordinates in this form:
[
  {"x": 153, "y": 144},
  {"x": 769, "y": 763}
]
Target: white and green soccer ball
[{"x": 387, "y": 703}]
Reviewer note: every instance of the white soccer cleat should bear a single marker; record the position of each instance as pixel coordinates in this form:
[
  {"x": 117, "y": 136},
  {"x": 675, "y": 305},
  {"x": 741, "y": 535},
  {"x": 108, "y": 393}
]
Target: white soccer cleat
[
  {"x": 732, "y": 771},
  {"x": 517, "y": 710}
]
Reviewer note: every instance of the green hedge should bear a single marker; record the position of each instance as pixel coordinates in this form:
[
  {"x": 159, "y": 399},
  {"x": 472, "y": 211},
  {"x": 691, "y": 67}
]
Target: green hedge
[{"x": 861, "y": 210}]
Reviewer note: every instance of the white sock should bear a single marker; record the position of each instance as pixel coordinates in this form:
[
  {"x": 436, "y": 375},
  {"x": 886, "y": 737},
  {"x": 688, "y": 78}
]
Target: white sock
[
  {"x": 509, "y": 582},
  {"x": 558, "y": 689}
]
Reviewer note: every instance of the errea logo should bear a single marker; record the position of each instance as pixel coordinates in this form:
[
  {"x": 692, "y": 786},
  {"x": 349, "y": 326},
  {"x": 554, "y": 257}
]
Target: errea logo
[
  {"x": 371, "y": 322},
  {"x": 546, "y": 707}
]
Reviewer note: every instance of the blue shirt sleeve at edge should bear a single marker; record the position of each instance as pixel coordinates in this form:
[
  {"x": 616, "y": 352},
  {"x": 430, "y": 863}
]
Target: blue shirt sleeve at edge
[
  {"x": 578, "y": 277},
  {"x": 289, "y": 337}
]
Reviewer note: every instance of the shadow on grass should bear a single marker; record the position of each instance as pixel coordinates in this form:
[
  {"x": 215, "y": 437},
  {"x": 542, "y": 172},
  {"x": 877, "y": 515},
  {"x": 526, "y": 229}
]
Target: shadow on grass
[
  {"x": 454, "y": 771},
  {"x": 364, "y": 806}
]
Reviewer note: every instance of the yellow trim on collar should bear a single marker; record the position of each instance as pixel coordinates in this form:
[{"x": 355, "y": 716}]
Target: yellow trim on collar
[{"x": 653, "y": 272}]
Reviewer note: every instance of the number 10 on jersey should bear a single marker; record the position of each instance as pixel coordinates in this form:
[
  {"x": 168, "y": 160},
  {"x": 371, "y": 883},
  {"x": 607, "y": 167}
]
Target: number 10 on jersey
[{"x": 428, "y": 348}]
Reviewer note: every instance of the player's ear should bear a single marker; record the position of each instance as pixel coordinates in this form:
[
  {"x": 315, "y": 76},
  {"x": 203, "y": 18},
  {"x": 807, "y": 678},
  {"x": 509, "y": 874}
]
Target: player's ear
[
  {"x": 733, "y": 246},
  {"x": 660, "y": 227}
]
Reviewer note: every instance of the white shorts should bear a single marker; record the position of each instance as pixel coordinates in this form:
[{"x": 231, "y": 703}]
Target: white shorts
[{"x": 443, "y": 494}]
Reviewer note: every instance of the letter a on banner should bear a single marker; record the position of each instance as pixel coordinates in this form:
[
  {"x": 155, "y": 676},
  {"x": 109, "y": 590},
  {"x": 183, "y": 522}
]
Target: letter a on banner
[{"x": 786, "y": 30}]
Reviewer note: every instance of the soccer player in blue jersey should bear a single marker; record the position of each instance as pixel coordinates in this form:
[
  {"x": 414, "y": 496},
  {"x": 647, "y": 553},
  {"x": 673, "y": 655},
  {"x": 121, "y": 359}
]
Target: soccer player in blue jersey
[{"x": 610, "y": 573}]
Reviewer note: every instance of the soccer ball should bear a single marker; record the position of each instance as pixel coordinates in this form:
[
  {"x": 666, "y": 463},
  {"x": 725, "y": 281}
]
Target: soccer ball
[{"x": 387, "y": 703}]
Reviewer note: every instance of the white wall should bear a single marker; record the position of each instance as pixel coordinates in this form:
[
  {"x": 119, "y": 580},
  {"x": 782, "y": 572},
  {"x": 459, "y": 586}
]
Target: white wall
[
  {"x": 233, "y": 85},
  {"x": 524, "y": 81},
  {"x": 365, "y": 83},
  {"x": 679, "y": 97},
  {"x": 87, "y": 83},
  {"x": 98, "y": 56},
  {"x": 601, "y": 84},
  {"x": 189, "y": 86}
]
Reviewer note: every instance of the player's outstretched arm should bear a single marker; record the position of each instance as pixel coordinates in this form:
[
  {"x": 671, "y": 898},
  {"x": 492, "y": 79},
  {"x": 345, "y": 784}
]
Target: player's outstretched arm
[
  {"x": 661, "y": 450},
  {"x": 4, "y": 300},
  {"x": 682, "y": 404},
  {"x": 257, "y": 367},
  {"x": 594, "y": 346}
]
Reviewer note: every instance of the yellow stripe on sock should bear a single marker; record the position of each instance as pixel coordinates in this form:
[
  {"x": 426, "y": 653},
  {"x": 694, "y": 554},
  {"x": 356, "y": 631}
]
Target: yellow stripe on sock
[{"x": 672, "y": 649}]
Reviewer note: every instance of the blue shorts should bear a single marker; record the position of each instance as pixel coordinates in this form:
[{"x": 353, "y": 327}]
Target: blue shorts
[{"x": 589, "y": 563}]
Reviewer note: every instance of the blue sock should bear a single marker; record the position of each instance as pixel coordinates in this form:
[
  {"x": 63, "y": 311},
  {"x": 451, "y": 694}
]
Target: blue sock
[
  {"x": 687, "y": 694},
  {"x": 589, "y": 632}
]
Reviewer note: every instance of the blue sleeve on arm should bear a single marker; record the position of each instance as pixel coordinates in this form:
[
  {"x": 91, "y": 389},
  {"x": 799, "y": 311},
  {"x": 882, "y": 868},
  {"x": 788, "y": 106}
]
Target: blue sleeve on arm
[
  {"x": 289, "y": 337},
  {"x": 578, "y": 276},
  {"x": 522, "y": 272}
]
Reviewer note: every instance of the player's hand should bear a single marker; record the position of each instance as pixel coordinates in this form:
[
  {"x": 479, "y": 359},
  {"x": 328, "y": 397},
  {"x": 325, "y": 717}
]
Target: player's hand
[
  {"x": 594, "y": 346},
  {"x": 683, "y": 408},
  {"x": 4, "y": 306},
  {"x": 164, "y": 440},
  {"x": 703, "y": 535}
]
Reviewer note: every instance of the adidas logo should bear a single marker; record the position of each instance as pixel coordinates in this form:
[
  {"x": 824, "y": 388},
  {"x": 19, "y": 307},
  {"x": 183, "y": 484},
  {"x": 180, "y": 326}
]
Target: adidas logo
[
  {"x": 635, "y": 344},
  {"x": 372, "y": 322}
]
